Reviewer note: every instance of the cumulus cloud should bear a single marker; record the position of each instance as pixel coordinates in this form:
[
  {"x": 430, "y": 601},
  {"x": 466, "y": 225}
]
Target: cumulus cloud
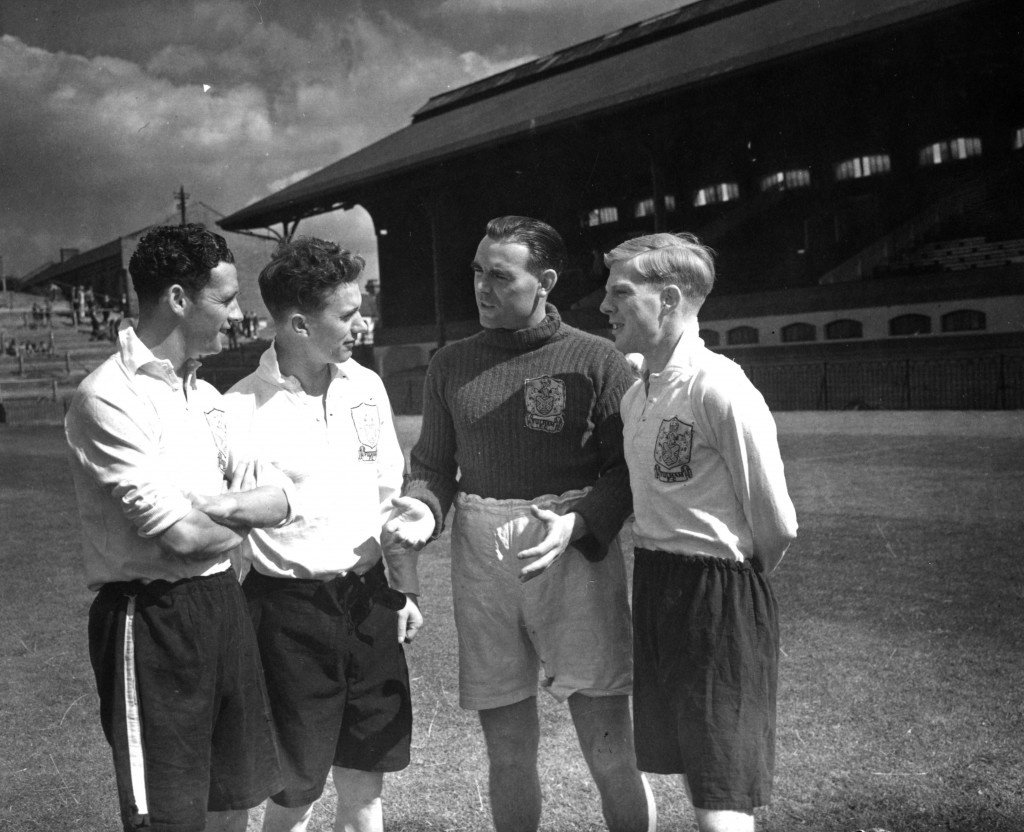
[
  {"x": 95, "y": 146},
  {"x": 642, "y": 8},
  {"x": 490, "y": 6}
]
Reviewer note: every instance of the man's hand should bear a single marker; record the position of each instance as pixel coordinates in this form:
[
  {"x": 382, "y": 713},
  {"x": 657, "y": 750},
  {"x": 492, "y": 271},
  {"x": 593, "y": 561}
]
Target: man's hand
[
  {"x": 245, "y": 476},
  {"x": 410, "y": 620},
  {"x": 411, "y": 523},
  {"x": 560, "y": 531}
]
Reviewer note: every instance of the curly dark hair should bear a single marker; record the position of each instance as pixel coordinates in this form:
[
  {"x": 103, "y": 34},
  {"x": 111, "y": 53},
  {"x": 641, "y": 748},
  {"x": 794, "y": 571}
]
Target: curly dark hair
[
  {"x": 182, "y": 254},
  {"x": 547, "y": 249},
  {"x": 304, "y": 272}
]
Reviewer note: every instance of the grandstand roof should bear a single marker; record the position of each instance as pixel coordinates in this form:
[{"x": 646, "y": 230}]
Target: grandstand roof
[
  {"x": 56, "y": 272},
  {"x": 641, "y": 62}
]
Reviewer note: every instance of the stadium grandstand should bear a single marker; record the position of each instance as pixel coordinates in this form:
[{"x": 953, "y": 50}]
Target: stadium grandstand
[
  {"x": 857, "y": 164},
  {"x": 103, "y": 270}
]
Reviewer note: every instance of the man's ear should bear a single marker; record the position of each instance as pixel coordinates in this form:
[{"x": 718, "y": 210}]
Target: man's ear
[
  {"x": 298, "y": 324},
  {"x": 671, "y": 297},
  {"x": 548, "y": 278},
  {"x": 178, "y": 298}
]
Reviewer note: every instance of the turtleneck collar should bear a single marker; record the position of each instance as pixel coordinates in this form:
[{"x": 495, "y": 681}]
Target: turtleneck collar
[{"x": 524, "y": 339}]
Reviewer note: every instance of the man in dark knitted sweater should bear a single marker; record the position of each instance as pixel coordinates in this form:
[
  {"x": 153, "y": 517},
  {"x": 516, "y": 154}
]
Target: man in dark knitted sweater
[{"x": 521, "y": 432}]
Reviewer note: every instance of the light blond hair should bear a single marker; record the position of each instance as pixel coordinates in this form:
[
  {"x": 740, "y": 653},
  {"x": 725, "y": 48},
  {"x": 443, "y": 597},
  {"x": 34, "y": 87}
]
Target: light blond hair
[{"x": 670, "y": 258}]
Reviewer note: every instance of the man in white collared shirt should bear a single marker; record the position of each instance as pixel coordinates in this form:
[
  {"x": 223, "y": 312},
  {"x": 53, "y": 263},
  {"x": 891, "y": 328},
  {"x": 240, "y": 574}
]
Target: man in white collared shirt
[
  {"x": 713, "y": 519},
  {"x": 172, "y": 649},
  {"x": 330, "y": 627}
]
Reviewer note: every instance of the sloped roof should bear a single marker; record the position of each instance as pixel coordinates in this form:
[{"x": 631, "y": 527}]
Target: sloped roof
[
  {"x": 56, "y": 271},
  {"x": 700, "y": 41}
]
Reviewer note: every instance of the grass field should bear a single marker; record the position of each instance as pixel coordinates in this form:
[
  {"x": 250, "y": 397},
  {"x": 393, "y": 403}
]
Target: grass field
[{"x": 900, "y": 684}]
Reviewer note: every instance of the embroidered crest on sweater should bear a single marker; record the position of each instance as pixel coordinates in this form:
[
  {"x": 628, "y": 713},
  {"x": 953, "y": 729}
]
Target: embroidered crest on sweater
[
  {"x": 672, "y": 451},
  {"x": 367, "y": 421},
  {"x": 219, "y": 431},
  {"x": 545, "y": 404}
]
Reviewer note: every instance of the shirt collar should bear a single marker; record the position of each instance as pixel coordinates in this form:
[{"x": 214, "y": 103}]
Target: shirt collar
[
  {"x": 683, "y": 358},
  {"x": 138, "y": 358},
  {"x": 270, "y": 371}
]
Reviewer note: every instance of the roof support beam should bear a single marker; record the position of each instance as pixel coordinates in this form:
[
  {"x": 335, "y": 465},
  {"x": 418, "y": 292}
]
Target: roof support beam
[
  {"x": 432, "y": 203},
  {"x": 656, "y": 147},
  {"x": 283, "y": 236}
]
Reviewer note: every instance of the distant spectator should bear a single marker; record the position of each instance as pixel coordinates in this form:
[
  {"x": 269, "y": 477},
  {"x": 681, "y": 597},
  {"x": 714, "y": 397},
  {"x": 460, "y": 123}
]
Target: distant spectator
[
  {"x": 114, "y": 324},
  {"x": 12, "y": 347},
  {"x": 252, "y": 324}
]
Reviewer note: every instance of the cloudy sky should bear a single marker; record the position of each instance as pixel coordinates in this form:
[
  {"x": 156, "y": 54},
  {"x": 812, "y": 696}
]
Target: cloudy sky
[{"x": 108, "y": 106}]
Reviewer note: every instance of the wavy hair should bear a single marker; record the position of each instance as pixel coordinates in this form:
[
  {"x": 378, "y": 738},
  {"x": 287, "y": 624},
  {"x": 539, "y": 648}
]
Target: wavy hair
[
  {"x": 170, "y": 254},
  {"x": 304, "y": 272}
]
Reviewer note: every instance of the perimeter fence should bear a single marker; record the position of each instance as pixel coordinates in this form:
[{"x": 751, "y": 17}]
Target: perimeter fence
[{"x": 982, "y": 382}]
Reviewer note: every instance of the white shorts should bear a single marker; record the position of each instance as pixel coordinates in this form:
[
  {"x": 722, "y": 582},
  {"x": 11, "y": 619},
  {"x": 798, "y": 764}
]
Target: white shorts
[{"x": 570, "y": 626}]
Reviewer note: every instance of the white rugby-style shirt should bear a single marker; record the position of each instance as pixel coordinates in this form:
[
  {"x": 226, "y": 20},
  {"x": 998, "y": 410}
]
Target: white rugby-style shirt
[
  {"x": 704, "y": 462},
  {"x": 142, "y": 440},
  {"x": 342, "y": 454}
]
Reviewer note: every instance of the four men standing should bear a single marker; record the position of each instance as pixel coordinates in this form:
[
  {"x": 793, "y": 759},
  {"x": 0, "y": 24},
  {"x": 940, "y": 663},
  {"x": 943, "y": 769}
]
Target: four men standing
[{"x": 522, "y": 433}]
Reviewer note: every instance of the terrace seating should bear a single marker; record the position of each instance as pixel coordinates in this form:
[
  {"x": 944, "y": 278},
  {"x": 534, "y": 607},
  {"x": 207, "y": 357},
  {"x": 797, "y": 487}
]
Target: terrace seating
[
  {"x": 960, "y": 254},
  {"x": 62, "y": 354}
]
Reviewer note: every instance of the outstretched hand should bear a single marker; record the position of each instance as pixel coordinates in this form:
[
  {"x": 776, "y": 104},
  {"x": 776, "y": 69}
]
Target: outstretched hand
[
  {"x": 560, "y": 531},
  {"x": 411, "y": 523}
]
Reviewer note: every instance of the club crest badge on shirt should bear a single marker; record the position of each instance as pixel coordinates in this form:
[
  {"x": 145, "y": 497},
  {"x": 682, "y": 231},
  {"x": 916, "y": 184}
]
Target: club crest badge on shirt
[
  {"x": 545, "y": 404},
  {"x": 219, "y": 431},
  {"x": 367, "y": 422},
  {"x": 672, "y": 451}
]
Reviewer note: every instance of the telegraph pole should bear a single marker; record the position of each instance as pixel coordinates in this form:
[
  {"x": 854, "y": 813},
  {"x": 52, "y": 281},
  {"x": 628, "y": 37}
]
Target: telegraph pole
[{"x": 181, "y": 196}]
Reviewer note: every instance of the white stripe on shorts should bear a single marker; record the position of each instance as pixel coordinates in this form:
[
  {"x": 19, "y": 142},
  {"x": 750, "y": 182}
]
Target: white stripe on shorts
[{"x": 133, "y": 720}]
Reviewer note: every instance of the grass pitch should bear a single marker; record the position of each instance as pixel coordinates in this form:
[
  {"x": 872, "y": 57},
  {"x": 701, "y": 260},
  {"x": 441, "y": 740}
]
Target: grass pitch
[{"x": 902, "y": 610}]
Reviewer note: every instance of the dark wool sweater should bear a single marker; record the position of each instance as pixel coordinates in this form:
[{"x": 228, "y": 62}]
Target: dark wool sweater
[{"x": 520, "y": 414}]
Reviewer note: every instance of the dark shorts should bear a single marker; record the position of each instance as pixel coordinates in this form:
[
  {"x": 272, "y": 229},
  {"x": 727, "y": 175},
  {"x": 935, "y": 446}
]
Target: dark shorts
[
  {"x": 705, "y": 651},
  {"x": 182, "y": 700},
  {"x": 336, "y": 675}
]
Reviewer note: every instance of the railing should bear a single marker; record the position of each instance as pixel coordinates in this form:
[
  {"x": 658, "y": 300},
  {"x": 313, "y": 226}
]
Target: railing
[
  {"x": 41, "y": 360},
  {"x": 987, "y": 382},
  {"x": 21, "y": 388}
]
